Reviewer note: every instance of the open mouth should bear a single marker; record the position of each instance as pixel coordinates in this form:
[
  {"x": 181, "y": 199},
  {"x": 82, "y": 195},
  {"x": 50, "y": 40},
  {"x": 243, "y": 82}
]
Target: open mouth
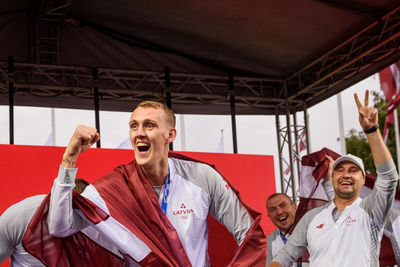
[
  {"x": 282, "y": 218},
  {"x": 346, "y": 185},
  {"x": 142, "y": 147}
]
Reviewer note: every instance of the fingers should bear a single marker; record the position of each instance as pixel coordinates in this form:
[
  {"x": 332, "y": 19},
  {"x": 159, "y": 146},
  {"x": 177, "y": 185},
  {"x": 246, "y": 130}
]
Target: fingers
[
  {"x": 95, "y": 138},
  {"x": 361, "y": 111},
  {"x": 328, "y": 175},
  {"x": 331, "y": 160},
  {"x": 358, "y": 103},
  {"x": 91, "y": 135},
  {"x": 82, "y": 139},
  {"x": 87, "y": 135},
  {"x": 368, "y": 116},
  {"x": 366, "y": 98},
  {"x": 85, "y": 132},
  {"x": 374, "y": 113},
  {"x": 371, "y": 113}
]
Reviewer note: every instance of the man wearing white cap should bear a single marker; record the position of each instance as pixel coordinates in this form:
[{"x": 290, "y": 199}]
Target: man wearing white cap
[{"x": 348, "y": 230}]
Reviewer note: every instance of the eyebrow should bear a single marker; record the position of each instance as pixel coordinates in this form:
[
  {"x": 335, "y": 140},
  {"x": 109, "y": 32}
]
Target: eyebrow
[
  {"x": 132, "y": 122},
  {"x": 144, "y": 121},
  {"x": 350, "y": 168}
]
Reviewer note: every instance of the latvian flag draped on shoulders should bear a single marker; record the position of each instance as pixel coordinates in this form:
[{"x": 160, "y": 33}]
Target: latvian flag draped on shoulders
[
  {"x": 135, "y": 222},
  {"x": 314, "y": 167}
]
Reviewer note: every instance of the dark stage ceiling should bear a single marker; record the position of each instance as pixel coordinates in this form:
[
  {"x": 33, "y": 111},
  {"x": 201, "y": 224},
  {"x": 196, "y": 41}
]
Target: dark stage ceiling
[{"x": 265, "y": 55}]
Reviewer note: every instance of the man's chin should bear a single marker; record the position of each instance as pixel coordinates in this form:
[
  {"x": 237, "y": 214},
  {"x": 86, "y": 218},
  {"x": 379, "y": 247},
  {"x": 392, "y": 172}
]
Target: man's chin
[
  {"x": 346, "y": 194},
  {"x": 284, "y": 228},
  {"x": 142, "y": 161}
]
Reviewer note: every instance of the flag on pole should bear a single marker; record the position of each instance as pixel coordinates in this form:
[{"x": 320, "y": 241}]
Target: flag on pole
[
  {"x": 312, "y": 194},
  {"x": 390, "y": 85}
]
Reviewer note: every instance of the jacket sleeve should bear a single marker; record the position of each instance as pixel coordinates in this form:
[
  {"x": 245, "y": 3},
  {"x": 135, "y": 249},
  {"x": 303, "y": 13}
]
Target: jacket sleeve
[
  {"x": 380, "y": 201},
  {"x": 269, "y": 251},
  {"x": 240, "y": 220},
  {"x": 296, "y": 243},
  {"x": 62, "y": 219}
]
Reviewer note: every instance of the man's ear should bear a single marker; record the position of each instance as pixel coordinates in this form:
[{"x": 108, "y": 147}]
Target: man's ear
[{"x": 171, "y": 135}]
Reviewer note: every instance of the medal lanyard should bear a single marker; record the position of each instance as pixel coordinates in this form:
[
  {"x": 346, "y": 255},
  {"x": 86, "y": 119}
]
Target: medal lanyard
[
  {"x": 164, "y": 202},
  {"x": 283, "y": 237}
]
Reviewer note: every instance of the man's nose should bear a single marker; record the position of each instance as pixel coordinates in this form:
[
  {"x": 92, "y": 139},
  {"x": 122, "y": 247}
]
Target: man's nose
[
  {"x": 346, "y": 173},
  {"x": 141, "y": 131}
]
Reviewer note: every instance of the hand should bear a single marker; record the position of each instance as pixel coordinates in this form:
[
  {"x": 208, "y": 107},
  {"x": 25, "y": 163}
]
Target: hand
[
  {"x": 328, "y": 175},
  {"x": 82, "y": 139},
  {"x": 368, "y": 116}
]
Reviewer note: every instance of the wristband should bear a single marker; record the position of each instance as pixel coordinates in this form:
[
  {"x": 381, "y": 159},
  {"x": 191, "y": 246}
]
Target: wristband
[{"x": 372, "y": 129}]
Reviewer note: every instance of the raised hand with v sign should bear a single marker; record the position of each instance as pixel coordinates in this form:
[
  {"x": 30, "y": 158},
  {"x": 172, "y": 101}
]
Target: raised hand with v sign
[{"x": 368, "y": 116}]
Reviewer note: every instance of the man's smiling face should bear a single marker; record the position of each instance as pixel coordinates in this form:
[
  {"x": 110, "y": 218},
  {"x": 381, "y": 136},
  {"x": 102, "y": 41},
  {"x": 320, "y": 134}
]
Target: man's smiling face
[
  {"x": 281, "y": 211},
  {"x": 150, "y": 135},
  {"x": 347, "y": 180}
]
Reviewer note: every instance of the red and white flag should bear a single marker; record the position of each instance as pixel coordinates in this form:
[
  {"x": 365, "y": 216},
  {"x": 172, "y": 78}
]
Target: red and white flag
[{"x": 390, "y": 85}]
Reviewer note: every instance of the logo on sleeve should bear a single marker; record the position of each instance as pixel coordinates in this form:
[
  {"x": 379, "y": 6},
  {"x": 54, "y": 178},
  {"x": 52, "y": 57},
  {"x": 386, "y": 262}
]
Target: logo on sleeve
[
  {"x": 226, "y": 185},
  {"x": 320, "y": 226},
  {"x": 183, "y": 212}
]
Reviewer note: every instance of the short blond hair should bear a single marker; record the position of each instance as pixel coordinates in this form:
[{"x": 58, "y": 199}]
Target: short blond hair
[{"x": 171, "y": 119}]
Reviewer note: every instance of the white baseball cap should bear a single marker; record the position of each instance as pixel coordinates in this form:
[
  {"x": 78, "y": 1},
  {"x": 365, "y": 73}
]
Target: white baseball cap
[{"x": 350, "y": 158}]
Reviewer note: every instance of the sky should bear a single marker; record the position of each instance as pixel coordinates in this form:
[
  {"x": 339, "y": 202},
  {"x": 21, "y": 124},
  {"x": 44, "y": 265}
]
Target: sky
[{"x": 199, "y": 133}]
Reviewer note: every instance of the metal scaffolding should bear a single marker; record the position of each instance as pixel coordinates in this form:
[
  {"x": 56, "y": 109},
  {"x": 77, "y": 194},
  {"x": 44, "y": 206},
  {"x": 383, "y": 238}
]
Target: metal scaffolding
[{"x": 290, "y": 152}]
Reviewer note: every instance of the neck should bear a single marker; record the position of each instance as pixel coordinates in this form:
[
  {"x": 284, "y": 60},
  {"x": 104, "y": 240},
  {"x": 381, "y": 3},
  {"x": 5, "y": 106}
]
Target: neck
[
  {"x": 156, "y": 174},
  {"x": 342, "y": 203}
]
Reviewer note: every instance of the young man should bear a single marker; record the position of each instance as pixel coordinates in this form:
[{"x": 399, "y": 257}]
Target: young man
[
  {"x": 392, "y": 224},
  {"x": 157, "y": 206},
  {"x": 348, "y": 224},
  {"x": 281, "y": 210}
]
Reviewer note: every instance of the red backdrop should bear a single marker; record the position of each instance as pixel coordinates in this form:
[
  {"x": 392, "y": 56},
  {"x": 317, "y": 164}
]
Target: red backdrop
[{"x": 30, "y": 170}]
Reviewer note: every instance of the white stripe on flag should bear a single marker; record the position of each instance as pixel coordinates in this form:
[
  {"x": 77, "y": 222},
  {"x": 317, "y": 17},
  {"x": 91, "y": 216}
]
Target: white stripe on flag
[
  {"x": 113, "y": 235},
  {"x": 308, "y": 183}
]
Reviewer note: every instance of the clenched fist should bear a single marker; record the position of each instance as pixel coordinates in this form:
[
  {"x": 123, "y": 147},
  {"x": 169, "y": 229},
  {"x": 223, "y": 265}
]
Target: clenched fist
[{"x": 82, "y": 139}]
